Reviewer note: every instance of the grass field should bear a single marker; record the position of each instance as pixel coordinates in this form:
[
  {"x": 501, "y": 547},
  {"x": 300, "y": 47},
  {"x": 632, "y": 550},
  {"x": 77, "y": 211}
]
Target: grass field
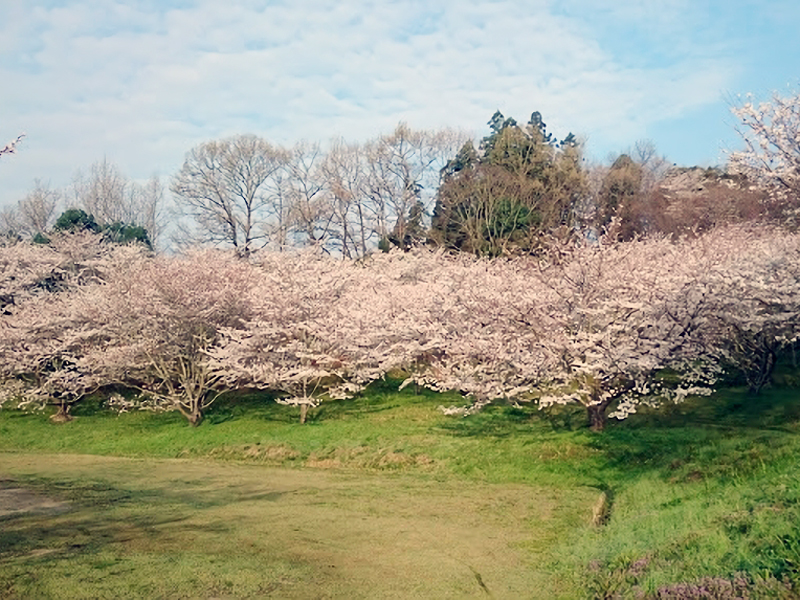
[{"x": 384, "y": 497}]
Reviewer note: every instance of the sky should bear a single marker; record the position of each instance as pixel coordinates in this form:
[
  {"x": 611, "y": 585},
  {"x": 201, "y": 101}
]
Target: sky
[{"x": 139, "y": 83}]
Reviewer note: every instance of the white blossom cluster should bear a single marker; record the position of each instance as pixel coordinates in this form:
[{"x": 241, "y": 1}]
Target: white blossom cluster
[{"x": 771, "y": 132}]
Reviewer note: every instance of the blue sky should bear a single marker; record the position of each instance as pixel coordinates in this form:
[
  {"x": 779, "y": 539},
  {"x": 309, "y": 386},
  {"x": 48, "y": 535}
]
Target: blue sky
[{"x": 142, "y": 82}]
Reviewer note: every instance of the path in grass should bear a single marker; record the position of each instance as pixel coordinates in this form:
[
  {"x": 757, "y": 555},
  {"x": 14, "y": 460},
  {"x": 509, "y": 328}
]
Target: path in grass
[{"x": 193, "y": 528}]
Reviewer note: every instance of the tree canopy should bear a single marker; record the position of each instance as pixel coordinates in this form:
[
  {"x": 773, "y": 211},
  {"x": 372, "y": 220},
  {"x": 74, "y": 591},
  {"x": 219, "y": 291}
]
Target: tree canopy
[{"x": 519, "y": 185}]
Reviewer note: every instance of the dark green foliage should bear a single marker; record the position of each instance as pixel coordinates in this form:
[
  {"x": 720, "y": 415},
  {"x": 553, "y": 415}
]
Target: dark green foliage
[
  {"x": 498, "y": 123},
  {"x": 466, "y": 158},
  {"x": 569, "y": 142},
  {"x": 122, "y": 233},
  {"x": 520, "y": 186},
  {"x": 508, "y": 217},
  {"x": 75, "y": 219}
]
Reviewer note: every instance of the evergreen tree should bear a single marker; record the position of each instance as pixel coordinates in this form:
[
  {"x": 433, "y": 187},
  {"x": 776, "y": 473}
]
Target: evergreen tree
[{"x": 520, "y": 185}]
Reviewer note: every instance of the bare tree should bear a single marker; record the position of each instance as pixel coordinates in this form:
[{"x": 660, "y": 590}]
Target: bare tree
[
  {"x": 37, "y": 210},
  {"x": 148, "y": 198},
  {"x": 310, "y": 214},
  {"x": 111, "y": 197},
  {"x": 228, "y": 186},
  {"x": 276, "y": 227},
  {"x": 654, "y": 165},
  {"x": 246, "y": 193},
  {"x": 300, "y": 211},
  {"x": 627, "y": 195},
  {"x": 403, "y": 170},
  {"x": 102, "y": 193},
  {"x": 9, "y": 222},
  {"x": 345, "y": 174},
  {"x": 33, "y": 214}
]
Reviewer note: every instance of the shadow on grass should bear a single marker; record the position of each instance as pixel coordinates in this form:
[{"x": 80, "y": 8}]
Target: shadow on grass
[
  {"x": 96, "y": 515},
  {"x": 496, "y": 421},
  {"x": 80, "y": 531},
  {"x": 728, "y": 436},
  {"x": 731, "y": 408}
]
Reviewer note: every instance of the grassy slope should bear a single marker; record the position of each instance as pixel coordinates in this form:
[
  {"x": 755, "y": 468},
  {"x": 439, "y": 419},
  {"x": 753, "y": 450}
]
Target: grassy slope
[{"x": 503, "y": 498}]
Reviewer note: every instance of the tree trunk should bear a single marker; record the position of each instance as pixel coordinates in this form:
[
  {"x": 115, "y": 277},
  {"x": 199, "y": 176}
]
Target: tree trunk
[
  {"x": 62, "y": 416},
  {"x": 597, "y": 416},
  {"x": 303, "y": 413},
  {"x": 758, "y": 377},
  {"x": 195, "y": 417}
]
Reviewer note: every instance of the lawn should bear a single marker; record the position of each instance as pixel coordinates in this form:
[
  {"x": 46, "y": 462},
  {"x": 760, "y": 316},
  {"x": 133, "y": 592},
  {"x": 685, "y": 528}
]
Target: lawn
[{"x": 384, "y": 497}]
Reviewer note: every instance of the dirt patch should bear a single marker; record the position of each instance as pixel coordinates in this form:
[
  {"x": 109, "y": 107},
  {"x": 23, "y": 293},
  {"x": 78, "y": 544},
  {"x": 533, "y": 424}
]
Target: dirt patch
[{"x": 16, "y": 500}]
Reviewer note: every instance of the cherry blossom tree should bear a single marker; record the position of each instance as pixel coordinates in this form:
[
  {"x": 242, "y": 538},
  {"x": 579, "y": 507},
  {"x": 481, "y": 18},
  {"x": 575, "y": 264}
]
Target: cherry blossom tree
[
  {"x": 757, "y": 312},
  {"x": 625, "y": 313},
  {"x": 157, "y": 319},
  {"x": 609, "y": 326},
  {"x": 771, "y": 134},
  {"x": 301, "y": 341},
  {"x": 45, "y": 350},
  {"x": 29, "y": 270},
  {"x": 326, "y": 328},
  {"x": 651, "y": 320},
  {"x": 457, "y": 328},
  {"x": 593, "y": 325},
  {"x": 46, "y": 332},
  {"x": 24, "y": 268}
]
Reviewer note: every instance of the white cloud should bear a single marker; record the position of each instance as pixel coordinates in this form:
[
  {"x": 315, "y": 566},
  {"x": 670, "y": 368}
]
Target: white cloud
[{"x": 141, "y": 84}]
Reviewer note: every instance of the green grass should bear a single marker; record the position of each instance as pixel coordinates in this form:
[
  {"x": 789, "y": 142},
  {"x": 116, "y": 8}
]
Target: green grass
[{"x": 383, "y": 496}]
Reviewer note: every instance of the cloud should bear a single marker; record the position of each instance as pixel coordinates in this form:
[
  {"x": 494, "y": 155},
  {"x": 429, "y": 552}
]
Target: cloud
[{"x": 141, "y": 83}]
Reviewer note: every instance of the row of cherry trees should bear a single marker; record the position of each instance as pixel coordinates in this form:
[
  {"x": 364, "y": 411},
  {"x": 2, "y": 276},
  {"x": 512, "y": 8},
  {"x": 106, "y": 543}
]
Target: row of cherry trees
[{"x": 609, "y": 326}]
